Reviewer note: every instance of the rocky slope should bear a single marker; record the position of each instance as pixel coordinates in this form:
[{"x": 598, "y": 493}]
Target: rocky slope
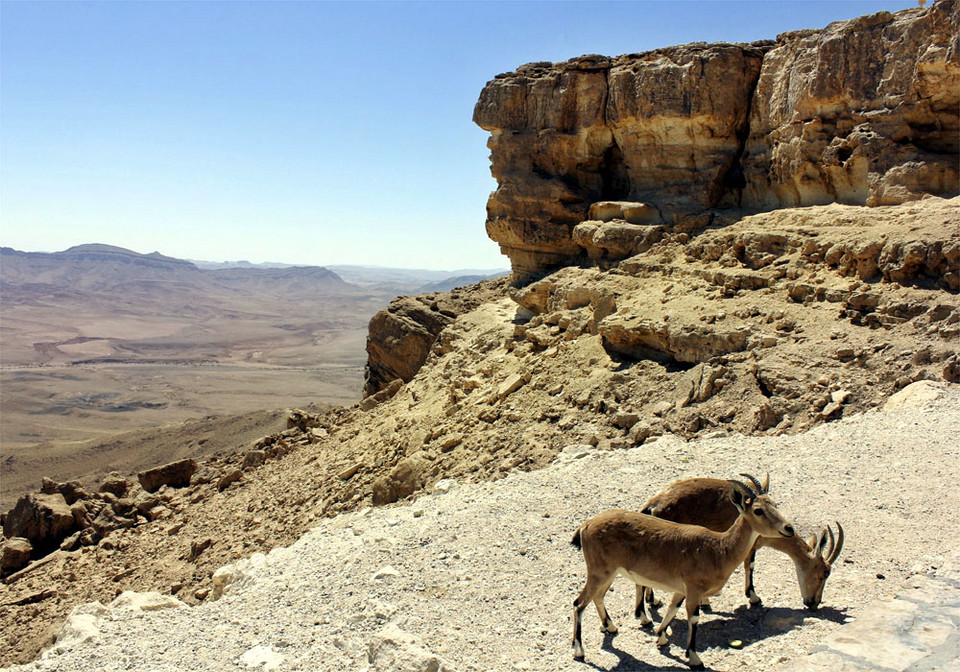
[
  {"x": 735, "y": 330},
  {"x": 482, "y": 576},
  {"x": 862, "y": 112}
]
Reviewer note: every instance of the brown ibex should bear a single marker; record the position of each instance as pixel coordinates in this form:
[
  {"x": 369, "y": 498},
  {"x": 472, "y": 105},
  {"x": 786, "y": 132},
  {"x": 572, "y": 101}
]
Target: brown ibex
[
  {"x": 706, "y": 501},
  {"x": 688, "y": 560}
]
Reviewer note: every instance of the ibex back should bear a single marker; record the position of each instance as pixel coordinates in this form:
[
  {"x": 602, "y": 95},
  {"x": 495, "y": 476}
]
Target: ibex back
[{"x": 706, "y": 501}]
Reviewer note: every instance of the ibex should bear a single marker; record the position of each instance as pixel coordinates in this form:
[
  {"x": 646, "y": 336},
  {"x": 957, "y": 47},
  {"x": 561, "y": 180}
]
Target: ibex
[
  {"x": 706, "y": 501},
  {"x": 688, "y": 560}
]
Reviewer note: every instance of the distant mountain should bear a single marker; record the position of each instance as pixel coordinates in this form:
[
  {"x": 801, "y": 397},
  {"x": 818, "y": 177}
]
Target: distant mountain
[
  {"x": 457, "y": 281},
  {"x": 221, "y": 265},
  {"x": 412, "y": 281},
  {"x": 96, "y": 303},
  {"x": 105, "y": 268}
]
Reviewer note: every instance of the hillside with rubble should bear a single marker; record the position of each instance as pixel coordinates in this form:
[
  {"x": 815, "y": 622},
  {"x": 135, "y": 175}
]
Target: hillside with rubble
[{"x": 797, "y": 269}]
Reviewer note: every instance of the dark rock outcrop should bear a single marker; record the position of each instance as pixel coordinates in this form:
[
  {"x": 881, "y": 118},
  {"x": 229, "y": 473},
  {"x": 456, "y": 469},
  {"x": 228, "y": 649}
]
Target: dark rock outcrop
[
  {"x": 43, "y": 519},
  {"x": 175, "y": 474}
]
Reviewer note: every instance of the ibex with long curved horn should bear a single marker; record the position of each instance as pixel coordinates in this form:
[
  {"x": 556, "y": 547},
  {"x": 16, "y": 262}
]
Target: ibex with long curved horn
[
  {"x": 688, "y": 560},
  {"x": 706, "y": 501}
]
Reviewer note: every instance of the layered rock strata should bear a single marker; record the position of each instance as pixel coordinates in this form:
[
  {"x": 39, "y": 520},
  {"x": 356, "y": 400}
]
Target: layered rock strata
[{"x": 862, "y": 112}]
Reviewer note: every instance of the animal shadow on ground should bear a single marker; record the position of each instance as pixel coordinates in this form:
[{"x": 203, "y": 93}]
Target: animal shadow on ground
[
  {"x": 628, "y": 663},
  {"x": 745, "y": 623}
]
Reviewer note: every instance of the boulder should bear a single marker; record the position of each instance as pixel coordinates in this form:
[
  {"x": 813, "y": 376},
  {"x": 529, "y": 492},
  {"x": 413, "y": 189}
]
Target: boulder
[
  {"x": 72, "y": 491},
  {"x": 175, "y": 474},
  {"x": 44, "y": 519},
  {"x": 407, "y": 477},
  {"x": 15, "y": 554},
  {"x": 115, "y": 483}
]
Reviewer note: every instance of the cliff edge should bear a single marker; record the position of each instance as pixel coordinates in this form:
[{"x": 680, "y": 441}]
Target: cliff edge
[{"x": 862, "y": 112}]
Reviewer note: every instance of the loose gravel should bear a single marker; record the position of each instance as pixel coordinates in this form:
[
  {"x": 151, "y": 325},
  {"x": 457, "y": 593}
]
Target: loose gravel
[{"x": 483, "y": 577}]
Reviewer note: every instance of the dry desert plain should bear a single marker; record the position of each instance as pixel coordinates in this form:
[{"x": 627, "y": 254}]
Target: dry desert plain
[{"x": 106, "y": 352}]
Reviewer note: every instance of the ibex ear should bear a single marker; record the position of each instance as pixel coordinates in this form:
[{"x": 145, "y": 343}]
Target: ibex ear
[
  {"x": 738, "y": 498},
  {"x": 821, "y": 543},
  {"x": 766, "y": 484}
]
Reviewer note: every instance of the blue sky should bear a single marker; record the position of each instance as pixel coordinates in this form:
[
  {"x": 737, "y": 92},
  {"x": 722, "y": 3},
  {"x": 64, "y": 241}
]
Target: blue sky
[{"x": 297, "y": 132}]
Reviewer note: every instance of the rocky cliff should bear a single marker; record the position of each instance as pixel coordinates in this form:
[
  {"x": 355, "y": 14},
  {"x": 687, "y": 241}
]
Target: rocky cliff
[
  {"x": 862, "y": 112},
  {"x": 691, "y": 320}
]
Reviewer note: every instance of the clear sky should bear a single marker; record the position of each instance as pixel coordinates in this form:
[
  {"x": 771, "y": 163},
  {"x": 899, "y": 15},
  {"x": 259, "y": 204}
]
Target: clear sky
[{"x": 297, "y": 132}]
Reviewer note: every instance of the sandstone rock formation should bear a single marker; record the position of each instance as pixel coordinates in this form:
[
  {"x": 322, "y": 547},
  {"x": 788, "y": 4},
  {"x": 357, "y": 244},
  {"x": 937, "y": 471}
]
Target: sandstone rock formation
[
  {"x": 401, "y": 336},
  {"x": 862, "y": 112}
]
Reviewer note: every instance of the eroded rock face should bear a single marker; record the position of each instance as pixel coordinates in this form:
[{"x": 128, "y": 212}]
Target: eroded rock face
[
  {"x": 862, "y": 112},
  {"x": 401, "y": 336},
  {"x": 661, "y": 127}
]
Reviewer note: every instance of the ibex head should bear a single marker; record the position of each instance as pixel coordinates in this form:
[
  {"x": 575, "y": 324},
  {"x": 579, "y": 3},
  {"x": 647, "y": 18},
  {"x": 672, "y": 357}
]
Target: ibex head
[
  {"x": 824, "y": 551},
  {"x": 758, "y": 509}
]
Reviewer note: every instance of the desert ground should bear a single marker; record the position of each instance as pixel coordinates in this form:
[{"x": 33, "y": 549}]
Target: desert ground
[{"x": 102, "y": 345}]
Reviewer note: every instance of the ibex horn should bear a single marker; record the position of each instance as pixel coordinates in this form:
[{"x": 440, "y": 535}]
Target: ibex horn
[
  {"x": 835, "y": 550},
  {"x": 760, "y": 489},
  {"x": 743, "y": 486},
  {"x": 820, "y": 543}
]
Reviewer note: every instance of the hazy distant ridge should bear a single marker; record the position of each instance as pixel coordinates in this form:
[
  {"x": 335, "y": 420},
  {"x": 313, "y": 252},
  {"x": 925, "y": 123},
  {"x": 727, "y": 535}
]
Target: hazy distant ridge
[{"x": 99, "y": 267}]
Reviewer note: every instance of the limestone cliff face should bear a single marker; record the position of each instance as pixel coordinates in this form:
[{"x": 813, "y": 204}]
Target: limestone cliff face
[
  {"x": 862, "y": 112},
  {"x": 660, "y": 127}
]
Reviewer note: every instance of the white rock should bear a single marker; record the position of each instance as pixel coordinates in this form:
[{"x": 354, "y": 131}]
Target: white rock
[
  {"x": 394, "y": 650},
  {"x": 913, "y": 395},
  {"x": 443, "y": 486},
  {"x": 230, "y": 575},
  {"x": 263, "y": 657},
  {"x": 840, "y": 396},
  {"x": 388, "y": 573},
  {"x": 82, "y": 625},
  {"x": 575, "y": 451}
]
